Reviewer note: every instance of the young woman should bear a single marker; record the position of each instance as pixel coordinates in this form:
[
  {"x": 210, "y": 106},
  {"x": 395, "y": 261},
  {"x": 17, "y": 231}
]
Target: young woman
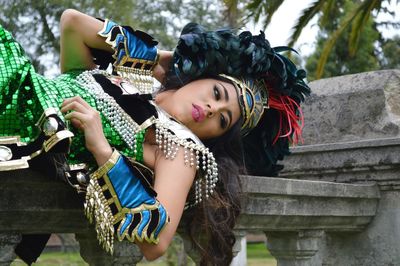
[{"x": 153, "y": 155}]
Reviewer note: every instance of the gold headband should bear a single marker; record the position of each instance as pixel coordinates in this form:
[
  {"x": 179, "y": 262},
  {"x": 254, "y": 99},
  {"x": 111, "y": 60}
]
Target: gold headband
[{"x": 253, "y": 99}]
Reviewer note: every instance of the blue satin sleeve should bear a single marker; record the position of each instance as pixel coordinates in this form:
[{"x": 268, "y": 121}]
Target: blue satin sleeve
[
  {"x": 119, "y": 202},
  {"x": 129, "y": 45},
  {"x": 127, "y": 186}
]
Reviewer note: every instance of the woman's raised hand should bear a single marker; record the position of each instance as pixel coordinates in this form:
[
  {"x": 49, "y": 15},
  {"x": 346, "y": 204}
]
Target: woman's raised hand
[{"x": 87, "y": 119}]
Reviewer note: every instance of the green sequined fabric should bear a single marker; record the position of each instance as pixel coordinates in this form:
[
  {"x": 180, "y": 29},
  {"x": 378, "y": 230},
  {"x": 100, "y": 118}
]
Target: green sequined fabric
[{"x": 24, "y": 95}]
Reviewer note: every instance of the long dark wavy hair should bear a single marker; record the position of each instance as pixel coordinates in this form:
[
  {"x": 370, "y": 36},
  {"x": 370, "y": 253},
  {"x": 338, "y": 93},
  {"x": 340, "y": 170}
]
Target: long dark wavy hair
[{"x": 210, "y": 223}]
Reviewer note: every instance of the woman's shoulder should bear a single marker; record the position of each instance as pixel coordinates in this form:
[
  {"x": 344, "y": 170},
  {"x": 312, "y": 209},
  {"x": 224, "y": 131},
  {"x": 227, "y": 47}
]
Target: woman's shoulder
[{"x": 180, "y": 151}]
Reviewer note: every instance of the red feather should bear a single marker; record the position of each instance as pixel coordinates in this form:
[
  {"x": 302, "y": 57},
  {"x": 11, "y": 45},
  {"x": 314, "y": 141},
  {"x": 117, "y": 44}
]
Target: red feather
[{"x": 291, "y": 119}]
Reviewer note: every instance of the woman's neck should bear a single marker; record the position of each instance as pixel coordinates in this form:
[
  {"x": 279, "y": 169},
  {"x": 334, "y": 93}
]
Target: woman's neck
[{"x": 162, "y": 99}]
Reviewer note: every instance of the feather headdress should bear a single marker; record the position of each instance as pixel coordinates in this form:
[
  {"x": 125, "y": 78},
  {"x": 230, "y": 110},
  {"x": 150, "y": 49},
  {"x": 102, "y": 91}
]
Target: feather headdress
[{"x": 272, "y": 114}]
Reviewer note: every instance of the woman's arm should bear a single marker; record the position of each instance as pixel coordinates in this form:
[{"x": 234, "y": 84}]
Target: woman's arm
[
  {"x": 173, "y": 180},
  {"x": 79, "y": 34},
  {"x": 87, "y": 119}
]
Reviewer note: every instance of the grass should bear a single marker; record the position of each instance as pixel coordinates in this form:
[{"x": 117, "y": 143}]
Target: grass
[
  {"x": 55, "y": 259},
  {"x": 257, "y": 255}
]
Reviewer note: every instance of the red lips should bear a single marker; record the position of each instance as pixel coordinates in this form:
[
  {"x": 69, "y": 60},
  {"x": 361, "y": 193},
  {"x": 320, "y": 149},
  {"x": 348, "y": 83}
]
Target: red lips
[{"x": 198, "y": 113}]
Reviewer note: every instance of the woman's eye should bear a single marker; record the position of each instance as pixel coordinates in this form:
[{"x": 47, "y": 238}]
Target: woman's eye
[
  {"x": 216, "y": 93},
  {"x": 223, "y": 122}
]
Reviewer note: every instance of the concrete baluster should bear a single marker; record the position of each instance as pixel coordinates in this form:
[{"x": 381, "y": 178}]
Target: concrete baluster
[
  {"x": 8, "y": 242},
  {"x": 295, "y": 248},
  {"x": 125, "y": 253}
]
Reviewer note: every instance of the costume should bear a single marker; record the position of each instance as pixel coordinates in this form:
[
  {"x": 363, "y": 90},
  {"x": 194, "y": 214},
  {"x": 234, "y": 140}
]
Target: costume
[
  {"x": 262, "y": 78},
  {"x": 119, "y": 195}
]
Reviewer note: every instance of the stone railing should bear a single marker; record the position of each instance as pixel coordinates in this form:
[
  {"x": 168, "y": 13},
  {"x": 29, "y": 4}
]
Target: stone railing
[
  {"x": 285, "y": 209},
  {"x": 336, "y": 203},
  {"x": 296, "y": 215},
  {"x": 352, "y": 136},
  {"x": 32, "y": 203}
]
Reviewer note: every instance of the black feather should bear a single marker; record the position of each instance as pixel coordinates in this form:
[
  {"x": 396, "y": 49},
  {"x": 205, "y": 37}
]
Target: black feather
[{"x": 200, "y": 53}]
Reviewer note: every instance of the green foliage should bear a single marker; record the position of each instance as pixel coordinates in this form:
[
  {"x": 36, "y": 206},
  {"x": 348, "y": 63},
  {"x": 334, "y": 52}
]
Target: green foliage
[
  {"x": 353, "y": 24},
  {"x": 257, "y": 250},
  {"x": 340, "y": 60},
  {"x": 356, "y": 17},
  {"x": 391, "y": 52},
  {"x": 35, "y": 24},
  {"x": 55, "y": 258},
  {"x": 258, "y": 9},
  {"x": 164, "y": 19}
]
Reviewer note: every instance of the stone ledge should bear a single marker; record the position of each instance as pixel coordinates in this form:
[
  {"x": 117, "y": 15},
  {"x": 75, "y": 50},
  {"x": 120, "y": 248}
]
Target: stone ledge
[
  {"x": 382, "y": 142},
  {"x": 280, "y": 204},
  {"x": 261, "y": 185},
  {"x": 353, "y": 107},
  {"x": 33, "y": 203},
  {"x": 374, "y": 160}
]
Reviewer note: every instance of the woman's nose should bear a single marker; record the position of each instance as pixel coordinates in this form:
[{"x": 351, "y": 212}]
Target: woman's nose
[{"x": 210, "y": 110}]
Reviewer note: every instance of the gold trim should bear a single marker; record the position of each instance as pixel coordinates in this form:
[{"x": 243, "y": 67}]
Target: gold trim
[
  {"x": 136, "y": 61},
  {"x": 53, "y": 140},
  {"x": 15, "y": 164},
  {"x": 104, "y": 28},
  {"x": 46, "y": 113},
  {"x": 79, "y": 166},
  {"x": 36, "y": 153},
  {"x": 107, "y": 166},
  {"x": 250, "y": 113},
  {"x": 108, "y": 185},
  {"x": 127, "y": 57},
  {"x": 149, "y": 122},
  {"x": 135, "y": 235},
  {"x": 12, "y": 140}
]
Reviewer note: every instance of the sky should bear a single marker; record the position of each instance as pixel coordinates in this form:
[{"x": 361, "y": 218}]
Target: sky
[{"x": 285, "y": 17}]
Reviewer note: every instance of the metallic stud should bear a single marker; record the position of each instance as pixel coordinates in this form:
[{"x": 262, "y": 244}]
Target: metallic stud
[
  {"x": 50, "y": 126},
  {"x": 5, "y": 154},
  {"x": 82, "y": 178}
]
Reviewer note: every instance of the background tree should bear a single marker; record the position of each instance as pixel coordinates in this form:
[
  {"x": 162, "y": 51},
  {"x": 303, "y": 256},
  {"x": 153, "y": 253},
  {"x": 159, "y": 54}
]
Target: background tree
[
  {"x": 391, "y": 52},
  {"x": 355, "y": 20},
  {"x": 35, "y": 24},
  {"x": 340, "y": 60}
]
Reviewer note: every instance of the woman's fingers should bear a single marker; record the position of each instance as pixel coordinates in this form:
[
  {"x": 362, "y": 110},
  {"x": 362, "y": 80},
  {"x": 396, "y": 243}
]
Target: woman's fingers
[
  {"x": 77, "y": 116},
  {"x": 75, "y": 99},
  {"x": 87, "y": 119},
  {"x": 77, "y": 123},
  {"x": 69, "y": 100},
  {"x": 75, "y": 106},
  {"x": 80, "y": 111},
  {"x": 83, "y": 102}
]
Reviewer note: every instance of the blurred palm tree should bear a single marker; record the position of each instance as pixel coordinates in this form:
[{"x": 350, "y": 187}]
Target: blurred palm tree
[{"x": 355, "y": 19}]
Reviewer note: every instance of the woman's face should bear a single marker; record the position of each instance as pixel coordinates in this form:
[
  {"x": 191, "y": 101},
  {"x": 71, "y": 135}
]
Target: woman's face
[{"x": 208, "y": 107}]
